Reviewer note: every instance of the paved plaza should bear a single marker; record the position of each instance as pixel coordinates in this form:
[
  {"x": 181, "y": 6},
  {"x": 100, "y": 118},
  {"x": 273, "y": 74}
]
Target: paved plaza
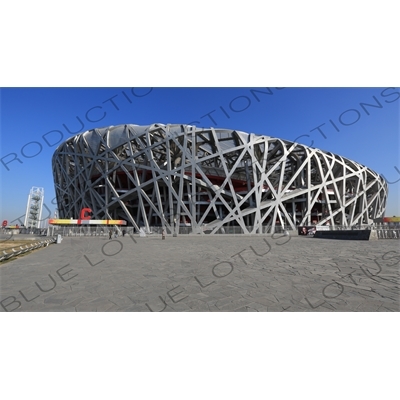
[{"x": 204, "y": 273}]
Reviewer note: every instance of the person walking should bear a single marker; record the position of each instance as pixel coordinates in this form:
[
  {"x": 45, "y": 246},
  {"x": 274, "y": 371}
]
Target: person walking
[{"x": 110, "y": 234}]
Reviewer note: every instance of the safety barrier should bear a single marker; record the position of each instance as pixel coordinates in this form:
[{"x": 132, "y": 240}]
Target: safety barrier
[
  {"x": 344, "y": 234},
  {"x": 357, "y": 234},
  {"x": 227, "y": 230},
  {"x": 154, "y": 230},
  {"x": 388, "y": 233},
  {"x": 17, "y": 250}
]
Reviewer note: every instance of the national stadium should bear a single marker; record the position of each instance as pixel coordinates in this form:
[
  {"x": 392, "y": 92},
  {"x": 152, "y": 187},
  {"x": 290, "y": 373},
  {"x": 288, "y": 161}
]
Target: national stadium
[{"x": 186, "y": 179}]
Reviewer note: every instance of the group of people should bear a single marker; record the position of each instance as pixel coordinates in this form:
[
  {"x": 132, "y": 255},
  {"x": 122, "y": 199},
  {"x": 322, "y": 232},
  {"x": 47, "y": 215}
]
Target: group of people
[
  {"x": 110, "y": 233},
  {"x": 307, "y": 230}
]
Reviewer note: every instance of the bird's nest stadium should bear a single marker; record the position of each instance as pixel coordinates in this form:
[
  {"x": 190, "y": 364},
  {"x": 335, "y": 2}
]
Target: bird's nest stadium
[{"x": 193, "y": 180}]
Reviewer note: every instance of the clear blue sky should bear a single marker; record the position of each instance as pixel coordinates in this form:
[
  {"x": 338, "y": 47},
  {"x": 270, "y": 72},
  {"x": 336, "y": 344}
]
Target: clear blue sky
[{"x": 366, "y": 134}]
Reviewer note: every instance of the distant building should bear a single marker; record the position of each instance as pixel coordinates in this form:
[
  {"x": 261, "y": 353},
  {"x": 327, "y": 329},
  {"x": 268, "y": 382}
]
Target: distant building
[
  {"x": 34, "y": 208},
  {"x": 211, "y": 180}
]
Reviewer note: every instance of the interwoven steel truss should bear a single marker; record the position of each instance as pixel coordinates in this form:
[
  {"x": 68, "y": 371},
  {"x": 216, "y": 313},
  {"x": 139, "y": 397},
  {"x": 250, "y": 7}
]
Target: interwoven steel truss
[{"x": 210, "y": 179}]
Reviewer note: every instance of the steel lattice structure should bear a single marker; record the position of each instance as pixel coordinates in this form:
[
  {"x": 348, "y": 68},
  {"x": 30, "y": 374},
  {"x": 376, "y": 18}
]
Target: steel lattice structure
[
  {"x": 33, "y": 215},
  {"x": 210, "y": 179}
]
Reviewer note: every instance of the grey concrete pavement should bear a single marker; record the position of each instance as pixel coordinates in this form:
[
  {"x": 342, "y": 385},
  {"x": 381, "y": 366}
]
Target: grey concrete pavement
[{"x": 204, "y": 273}]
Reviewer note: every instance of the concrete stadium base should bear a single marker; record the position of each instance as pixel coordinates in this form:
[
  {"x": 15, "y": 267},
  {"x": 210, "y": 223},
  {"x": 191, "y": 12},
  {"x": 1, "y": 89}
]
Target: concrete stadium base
[{"x": 346, "y": 235}]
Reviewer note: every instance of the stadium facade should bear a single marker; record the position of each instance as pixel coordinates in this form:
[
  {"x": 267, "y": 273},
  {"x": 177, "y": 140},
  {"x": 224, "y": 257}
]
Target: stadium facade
[{"x": 211, "y": 180}]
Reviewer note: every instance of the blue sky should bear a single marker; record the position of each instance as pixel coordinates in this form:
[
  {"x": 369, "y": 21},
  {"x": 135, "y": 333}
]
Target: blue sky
[{"x": 35, "y": 120}]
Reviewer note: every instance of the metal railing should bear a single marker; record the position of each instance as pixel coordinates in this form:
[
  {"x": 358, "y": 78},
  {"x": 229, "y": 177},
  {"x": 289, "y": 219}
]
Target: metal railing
[
  {"x": 16, "y": 250},
  {"x": 226, "y": 230},
  {"x": 344, "y": 227},
  {"x": 388, "y": 233},
  {"x": 154, "y": 230}
]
